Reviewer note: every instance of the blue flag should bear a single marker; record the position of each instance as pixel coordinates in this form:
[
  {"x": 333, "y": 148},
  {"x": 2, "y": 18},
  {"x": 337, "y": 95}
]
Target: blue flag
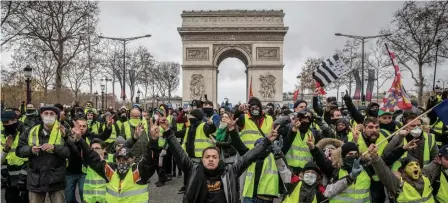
[{"x": 442, "y": 111}]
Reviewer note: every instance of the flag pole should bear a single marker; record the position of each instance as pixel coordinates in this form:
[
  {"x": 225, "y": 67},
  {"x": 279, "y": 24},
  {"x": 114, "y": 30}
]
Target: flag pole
[{"x": 404, "y": 126}]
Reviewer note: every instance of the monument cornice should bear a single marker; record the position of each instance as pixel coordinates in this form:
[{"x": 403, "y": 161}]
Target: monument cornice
[
  {"x": 261, "y": 13},
  {"x": 232, "y": 36},
  {"x": 199, "y": 67},
  {"x": 266, "y": 67},
  {"x": 232, "y": 29}
]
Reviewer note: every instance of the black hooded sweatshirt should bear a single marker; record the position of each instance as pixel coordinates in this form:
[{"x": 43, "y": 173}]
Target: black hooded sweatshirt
[{"x": 358, "y": 117}]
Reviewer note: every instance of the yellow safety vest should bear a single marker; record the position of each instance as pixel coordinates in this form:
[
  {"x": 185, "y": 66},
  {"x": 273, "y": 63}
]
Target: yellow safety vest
[
  {"x": 410, "y": 194},
  {"x": 299, "y": 153},
  {"x": 363, "y": 148},
  {"x": 94, "y": 187},
  {"x": 110, "y": 158},
  {"x": 442, "y": 194},
  {"x": 268, "y": 184},
  {"x": 55, "y": 137},
  {"x": 11, "y": 158},
  {"x": 201, "y": 141},
  {"x": 161, "y": 141},
  {"x": 429, "y": 144},
  {"x": 250, "y": 133},
  {"x": 95, "y": 127},
  {"x": 127, "y": 130},
  {"x": 438, "y": 127},
  {"x": 179, "y": 126},
  {"x": 113, "y": 135},
  {"x": 126, "y": 191},
  {"x": 22, "y": 119},
  {"x": 294, "y": 197},
  {"x": 358, "y": 191}
]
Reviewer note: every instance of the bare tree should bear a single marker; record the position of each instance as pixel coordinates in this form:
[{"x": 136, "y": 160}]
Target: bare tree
[
  {"x": 141, "y": 59},
  {"x": 380, "y": 61},
  {"x": 76, "y": 75},
  {"x": 418, "y": 25},
  {"x": 11, "y": 26},
  {"x": 168, "y": 78},
  {"x": 306, "y": 76},
  {"x": 61, "y": 26}
]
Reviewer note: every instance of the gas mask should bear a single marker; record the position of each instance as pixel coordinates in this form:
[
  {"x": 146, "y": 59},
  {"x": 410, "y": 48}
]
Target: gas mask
[{"x": 122, "y": 168}]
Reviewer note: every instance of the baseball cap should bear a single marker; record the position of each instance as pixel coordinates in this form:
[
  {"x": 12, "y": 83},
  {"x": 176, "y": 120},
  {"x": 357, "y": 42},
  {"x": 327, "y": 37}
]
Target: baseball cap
[
  {"x": 124, "y": 152},
  {"x": 443, "y": 151},
  {"x": 385, "y": 111},
  {"x": 8, "y": 115}
]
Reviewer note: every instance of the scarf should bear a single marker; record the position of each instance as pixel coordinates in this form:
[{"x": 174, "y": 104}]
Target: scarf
[{"x": 200, "y": 182}]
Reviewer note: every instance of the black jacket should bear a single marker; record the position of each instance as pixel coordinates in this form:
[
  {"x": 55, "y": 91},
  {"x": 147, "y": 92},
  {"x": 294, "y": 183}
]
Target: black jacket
[
  {"x": 75, "y": 161},
  {"x": 231, "y": 174},
  {"x": 46, "y": 171}
]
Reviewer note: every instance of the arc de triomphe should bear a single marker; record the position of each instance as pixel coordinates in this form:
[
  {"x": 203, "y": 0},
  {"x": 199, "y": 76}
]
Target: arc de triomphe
[{"x": 255, "y": 37}]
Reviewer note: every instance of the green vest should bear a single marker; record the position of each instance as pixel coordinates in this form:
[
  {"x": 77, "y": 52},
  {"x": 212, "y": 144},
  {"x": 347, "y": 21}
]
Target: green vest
[
  {"x": 442, "y": 194},
  {"x": 126, "y": 191},
  {"x": 268, "y": 183},
  {"x": 94, "y": 187},
  {"x": 410, "y": 194},
  {"x": 358, "y": 191},
  {"x": 201, "y": 141},
  {"x": 294, "y": 197},
  {"x": 299, "y": 153}
]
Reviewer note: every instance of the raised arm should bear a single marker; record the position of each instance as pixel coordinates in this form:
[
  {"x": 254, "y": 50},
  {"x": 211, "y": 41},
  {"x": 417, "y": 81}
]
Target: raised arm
[
  {"x": 358, "y": 117},
  {"x": 179, "y": 154},
  {"x": 148, "y": 165}
]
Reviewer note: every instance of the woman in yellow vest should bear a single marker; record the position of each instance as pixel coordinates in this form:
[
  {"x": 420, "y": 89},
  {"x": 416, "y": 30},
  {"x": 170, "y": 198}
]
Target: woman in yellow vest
[
  {"x": 126, "y": 181},
  {"x": 211, "y": 180},
  {"x": 407, "y": 186}
]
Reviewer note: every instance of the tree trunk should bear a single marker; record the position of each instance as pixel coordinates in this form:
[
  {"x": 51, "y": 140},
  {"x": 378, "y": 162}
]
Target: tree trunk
[
  {"x": 59, "y": 70},
  {"x": 420, "y": 84}
]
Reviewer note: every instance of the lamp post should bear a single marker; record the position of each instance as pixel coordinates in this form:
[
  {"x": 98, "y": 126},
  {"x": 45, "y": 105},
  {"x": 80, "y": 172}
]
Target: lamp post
[
  {"x": 105, "y": 79},
  {"x": 363, "y": 40},
  {"x": 137, "y": 99},
  {"x": 96, "y": 99},
  {"x": 342, "y": 98},
  {"x": 102, "y": 96},
  {"x": 28, "y": 71},
  {"x": 438, "y": 41},
  {"x": 124, "y": 41}
]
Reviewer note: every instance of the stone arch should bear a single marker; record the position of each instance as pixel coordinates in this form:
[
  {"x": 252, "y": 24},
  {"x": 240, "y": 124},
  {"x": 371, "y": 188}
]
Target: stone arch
[{"x": 253, "y": 36}]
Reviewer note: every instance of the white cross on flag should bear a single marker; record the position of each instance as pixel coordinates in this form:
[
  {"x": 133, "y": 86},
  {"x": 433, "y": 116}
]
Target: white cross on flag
[{"x": 330, "y": 70}]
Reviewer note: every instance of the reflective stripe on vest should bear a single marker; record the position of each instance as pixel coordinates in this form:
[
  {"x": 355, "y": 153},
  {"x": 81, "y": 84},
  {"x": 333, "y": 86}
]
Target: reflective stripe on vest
[
  {"x": 130, "y": 191},
  {"x": 11, "y": 158},
  {"x": 201, "y": 141},
  {"x": 250, "y": 133},
  {"x": 94, "y": 187},
  {"x": 294, "y": 197},
  {"x": 358, "y": 191},
  {"x": 113, "y": 134},
  {"x": 410, "y": 195},
  {"x": 363, "y": 146},
  {"x": 299, "y": 153},
  {"x": 55, "y": 137},
  {"x": 269, "y": 181},
  {"x": 442, "y": 194}
]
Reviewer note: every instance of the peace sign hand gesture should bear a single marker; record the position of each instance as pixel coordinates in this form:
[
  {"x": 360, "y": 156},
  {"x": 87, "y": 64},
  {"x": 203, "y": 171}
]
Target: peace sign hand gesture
[
  {"x": 355, "y": 134},
  {"x": 273, "y": 135},
  {"x": 76, "y": 131},
  {"x": 231, "y": 124},
  {"x": 163, "y": 122},
  {"x": 155, "y": 130},
  {"x": 138, "y": 131},
  {"x": 310, "y": 142},
  {"x": 110, "y": 121}
]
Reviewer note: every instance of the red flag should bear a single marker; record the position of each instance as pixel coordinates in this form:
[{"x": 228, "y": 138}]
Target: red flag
[
  {"x": 396, "y": 98},
  {"x": 321, "y": 90},
  {"x": 251, "y": 94},
  {"x": 296, "y": 94}
]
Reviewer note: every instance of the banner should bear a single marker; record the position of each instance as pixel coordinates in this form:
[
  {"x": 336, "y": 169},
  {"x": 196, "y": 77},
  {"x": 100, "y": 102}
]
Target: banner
[
  {"x": 357, "y": 95},
  {"x": 330, "y": 70},
  {"x": 370, "y": 83}
]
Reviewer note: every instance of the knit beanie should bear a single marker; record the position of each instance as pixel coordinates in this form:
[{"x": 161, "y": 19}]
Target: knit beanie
[
  {"x": 119, "y": 140},
  {"x": 348, "y": 147},
  {"x": 311, "y": 166},
  {"x": 406, "y": 161},
  {"x": 198, "y": 114}
]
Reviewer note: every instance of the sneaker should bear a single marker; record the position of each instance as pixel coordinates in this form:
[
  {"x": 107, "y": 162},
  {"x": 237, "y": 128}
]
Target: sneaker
[
  {"x": 160, "y": 184},
  {"x": 182, "y": 190}
]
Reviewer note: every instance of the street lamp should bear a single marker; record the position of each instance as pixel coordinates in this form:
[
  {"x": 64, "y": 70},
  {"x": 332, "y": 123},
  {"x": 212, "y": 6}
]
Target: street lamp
[
  {"x": 124, "y": 41},
  {"x": 105, "y": 79},
  {"x": 362, "y": 38},
  {"x": 438, "y": 41},
  {"x": 137, "y": 99},
  {"x": 96, "y": 99},
  {"x": 27, "y": 72},
  {"x": 102, "y": 96}
]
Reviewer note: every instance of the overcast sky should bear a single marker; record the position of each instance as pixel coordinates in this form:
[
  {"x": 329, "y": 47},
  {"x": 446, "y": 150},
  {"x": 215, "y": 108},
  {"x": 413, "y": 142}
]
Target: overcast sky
[{"x": 311, "y": 33}]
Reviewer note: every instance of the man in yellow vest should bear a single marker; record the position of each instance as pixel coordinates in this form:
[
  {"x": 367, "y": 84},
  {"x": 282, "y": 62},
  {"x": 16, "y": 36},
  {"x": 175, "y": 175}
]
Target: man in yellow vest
[
  {"x": 128, "y": 130},
  {"x": 14, "y": 169},
  {"x": 437, "y": 173},
  {"x": 261, "y": 181},
  {"x": 76, "y": 169},
  {"x": 31, "y": 116},
  {"x": 410, "y": 186},
  {"x": 92, "y": 122},
  {"x": 122, "y": 115},
  {"x": 115, "y": 132},
  {"x": 44, "y": 147},
  {"x": 126, "y": 180},
  {"x": 94, "y": 184}
]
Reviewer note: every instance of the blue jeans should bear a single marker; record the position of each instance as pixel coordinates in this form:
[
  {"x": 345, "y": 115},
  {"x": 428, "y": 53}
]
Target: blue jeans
[
  {"x": 255, "y": 200},
  {"x": 72, "y": 181}
]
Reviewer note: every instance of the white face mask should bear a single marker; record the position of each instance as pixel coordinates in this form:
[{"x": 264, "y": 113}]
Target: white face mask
[
  {"x": 48, "y": 120},
  {"x": 416, "y": 132},
  {"x": 309, "y": 178}
]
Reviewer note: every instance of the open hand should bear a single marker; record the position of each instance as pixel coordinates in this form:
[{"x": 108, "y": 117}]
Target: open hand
[
  {"x": 76, "y": 131},
  {"x": 231, "y": 124}
]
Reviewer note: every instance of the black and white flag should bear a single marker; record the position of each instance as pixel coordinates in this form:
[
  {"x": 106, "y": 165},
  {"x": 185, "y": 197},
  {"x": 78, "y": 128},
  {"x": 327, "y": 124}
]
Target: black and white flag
[{"x": 330, "y": 70}]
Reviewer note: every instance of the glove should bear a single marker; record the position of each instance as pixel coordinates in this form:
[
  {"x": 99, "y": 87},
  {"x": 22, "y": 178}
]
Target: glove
[
  {"x": 277, "y": 146},
  {"x": 347, "y": 97},
  {"x": 356, "y": 169},
  {"x": 163, "y": 153},
  {"x": 21, "y": 185}
]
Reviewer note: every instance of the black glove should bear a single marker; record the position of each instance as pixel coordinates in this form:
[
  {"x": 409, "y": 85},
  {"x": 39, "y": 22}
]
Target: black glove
[{"x": 347, "y": 97}]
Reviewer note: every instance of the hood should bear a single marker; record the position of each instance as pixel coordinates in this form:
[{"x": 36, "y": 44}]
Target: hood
[
  {"x": 336, "y": 158},
  {"x": 343, "y": 120},
  {"x": 368, "y": 113},
  {"x": 255, "y": 101},
  {"x": 323, "y": 142}
]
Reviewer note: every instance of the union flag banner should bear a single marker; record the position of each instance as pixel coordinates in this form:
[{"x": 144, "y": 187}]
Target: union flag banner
[{"x": 396, "y": 98}]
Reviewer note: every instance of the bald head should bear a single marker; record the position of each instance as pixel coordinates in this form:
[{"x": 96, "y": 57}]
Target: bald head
[{"x": 135, "y": 113}]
